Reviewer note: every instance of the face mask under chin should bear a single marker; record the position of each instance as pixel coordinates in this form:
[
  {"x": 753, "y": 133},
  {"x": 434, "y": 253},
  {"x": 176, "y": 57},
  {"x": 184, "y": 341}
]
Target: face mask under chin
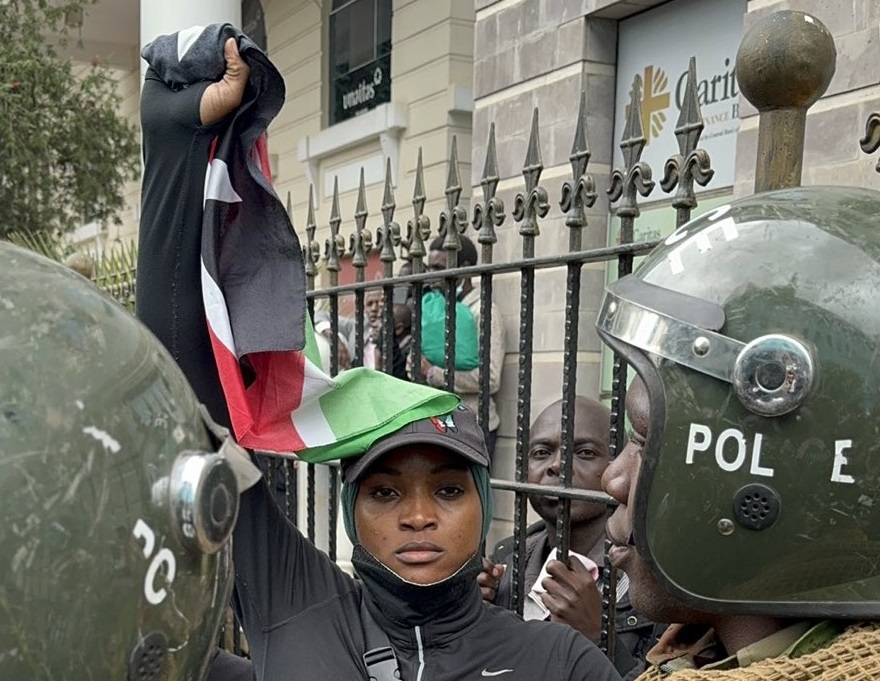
[{"x": 402, "y": 600}]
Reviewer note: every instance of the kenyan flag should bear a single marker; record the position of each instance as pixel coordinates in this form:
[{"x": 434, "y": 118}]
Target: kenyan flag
[{"x": 278, "y": 396}]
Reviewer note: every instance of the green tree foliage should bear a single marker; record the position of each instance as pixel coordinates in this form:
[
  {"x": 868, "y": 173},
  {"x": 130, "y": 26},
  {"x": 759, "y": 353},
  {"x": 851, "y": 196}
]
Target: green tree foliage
[{"x": 65, "y": 151}]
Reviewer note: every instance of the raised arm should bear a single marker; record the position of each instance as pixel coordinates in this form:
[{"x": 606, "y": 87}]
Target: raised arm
[
  {"x": 176, "y": 147},
  {"x": 278, "y": 572}
]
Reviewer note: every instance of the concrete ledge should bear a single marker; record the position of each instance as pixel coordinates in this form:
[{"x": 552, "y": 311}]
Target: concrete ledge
[{"x": 386, "y": 122}]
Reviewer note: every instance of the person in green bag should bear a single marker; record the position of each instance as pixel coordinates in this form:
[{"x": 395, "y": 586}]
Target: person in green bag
[{"x": 468, "y": 347}]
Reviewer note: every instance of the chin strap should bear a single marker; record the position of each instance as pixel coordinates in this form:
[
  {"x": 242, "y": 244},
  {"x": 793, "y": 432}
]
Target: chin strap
[{"x": 379, "y": 658}]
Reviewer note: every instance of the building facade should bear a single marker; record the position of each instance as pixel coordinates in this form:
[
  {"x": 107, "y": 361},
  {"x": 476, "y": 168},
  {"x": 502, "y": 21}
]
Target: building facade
[
  {"x": 545, "y": 53},
  {"x": 376, "y": 81},
  {"x": 367, "y": 80}
]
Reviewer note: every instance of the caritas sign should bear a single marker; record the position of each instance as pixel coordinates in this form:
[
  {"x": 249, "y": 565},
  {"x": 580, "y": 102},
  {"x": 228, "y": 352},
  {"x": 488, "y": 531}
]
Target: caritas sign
[
  {"x": 363, "y": 89},
  {"x": 657, "y": 45}
]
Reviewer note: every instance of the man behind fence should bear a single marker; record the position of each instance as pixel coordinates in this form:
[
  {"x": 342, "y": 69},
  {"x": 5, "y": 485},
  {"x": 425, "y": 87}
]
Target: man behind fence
[
  {"x": 552, "y": 590},
  {"x": 748, "y": 493},
  {"x": 467, "y": 383}
]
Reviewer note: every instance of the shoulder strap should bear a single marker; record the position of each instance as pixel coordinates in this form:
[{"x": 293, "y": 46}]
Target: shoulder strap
[{"x": 379, "y": 657}]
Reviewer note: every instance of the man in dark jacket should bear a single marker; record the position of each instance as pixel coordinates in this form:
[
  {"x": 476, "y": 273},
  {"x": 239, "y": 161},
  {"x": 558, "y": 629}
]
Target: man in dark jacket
[{"x": 563, "y": 594}]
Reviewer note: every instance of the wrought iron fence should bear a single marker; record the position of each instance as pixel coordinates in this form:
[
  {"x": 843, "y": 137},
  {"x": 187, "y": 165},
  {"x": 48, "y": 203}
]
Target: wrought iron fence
[
  {"x": 532, "y": 204},
  {"x": 116, "y": 272},
  {"x": 688, "y": 166}
]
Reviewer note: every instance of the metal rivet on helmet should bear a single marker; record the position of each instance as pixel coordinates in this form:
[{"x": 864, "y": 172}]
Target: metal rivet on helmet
[
  {"x": 725, "y": 527},
  {"x": 773, "y": 375},
  {"x": 202, "y": 495},
  {"x": 701, "y": 346}
]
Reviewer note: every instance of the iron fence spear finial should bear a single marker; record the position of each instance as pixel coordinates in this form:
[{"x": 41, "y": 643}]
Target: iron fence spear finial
[
  {"x": 635, "y": 176},
  {"x": 690, "y": 164},
  {"x": 334, "y": 246},
  {"x": 389, "y": 232},
  {"x": 312, "y": 246},
  {"x": 361, "y": 240},
  {"x": 490, "y": 213},
  {"x": 418, "y": 228},
  {"x": 534, "y": 203},
  {"x": 453, "y": 220},
  {"x": 580, "y": 192}
]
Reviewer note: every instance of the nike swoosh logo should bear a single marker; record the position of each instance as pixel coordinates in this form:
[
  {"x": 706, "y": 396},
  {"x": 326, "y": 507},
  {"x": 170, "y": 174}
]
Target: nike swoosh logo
[{"x": 486, "y": 672}]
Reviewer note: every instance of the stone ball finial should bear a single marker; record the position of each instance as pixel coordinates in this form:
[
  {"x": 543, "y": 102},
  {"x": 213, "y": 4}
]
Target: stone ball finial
[{"x": 786, "y": 60}]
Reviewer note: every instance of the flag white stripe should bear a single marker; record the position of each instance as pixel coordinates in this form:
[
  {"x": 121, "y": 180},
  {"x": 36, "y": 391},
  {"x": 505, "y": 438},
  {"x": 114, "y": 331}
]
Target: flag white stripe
[
  {"x": 186, "y": 38},
  {"x": 215, "y": 310},
  {"x": 308, "y": 419},
  {"x": 218, "y": 186}
]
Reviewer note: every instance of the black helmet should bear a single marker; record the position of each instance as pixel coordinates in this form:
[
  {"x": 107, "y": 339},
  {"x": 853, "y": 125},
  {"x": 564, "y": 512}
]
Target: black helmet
[{"x": 116, "y": 510}]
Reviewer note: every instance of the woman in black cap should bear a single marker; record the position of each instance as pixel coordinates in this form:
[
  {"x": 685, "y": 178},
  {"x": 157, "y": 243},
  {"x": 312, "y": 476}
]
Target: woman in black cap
[{"x": 416, "y": 506}]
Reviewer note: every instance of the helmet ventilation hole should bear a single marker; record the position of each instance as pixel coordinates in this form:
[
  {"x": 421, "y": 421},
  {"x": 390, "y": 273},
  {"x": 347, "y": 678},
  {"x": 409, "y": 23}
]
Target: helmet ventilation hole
[
  {"x": 756, "y": 506},
  {"x": 148, "y": 658}
]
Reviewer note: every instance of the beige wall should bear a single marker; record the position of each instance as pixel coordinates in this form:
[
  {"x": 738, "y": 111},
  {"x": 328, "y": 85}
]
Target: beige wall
[
  {"x": 432, "y": 63},
  {"x": 432, "y": 53},
  {"x": 94, "y": 237}
]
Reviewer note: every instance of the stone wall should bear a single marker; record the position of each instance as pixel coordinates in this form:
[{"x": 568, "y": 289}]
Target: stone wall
[
  {"x": 543, "y": 53},
  {"x": 432, "y": 73},
  {"x": 835, "y": 123}
]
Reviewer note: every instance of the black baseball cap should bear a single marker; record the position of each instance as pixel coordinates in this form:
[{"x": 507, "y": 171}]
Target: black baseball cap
[{"x": 456, "y": 431}]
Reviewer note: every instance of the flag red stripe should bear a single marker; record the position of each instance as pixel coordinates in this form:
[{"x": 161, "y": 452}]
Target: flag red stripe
[
  {"x": 280, "y": 379},
  {"x": 261, "y": 151}
]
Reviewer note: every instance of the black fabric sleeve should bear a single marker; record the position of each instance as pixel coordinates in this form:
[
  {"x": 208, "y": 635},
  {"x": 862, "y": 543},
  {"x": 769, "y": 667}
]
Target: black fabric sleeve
[
  {"x": 624, "y": 661},
  {"x": 581, "y": 660},
  {"x": 229, "y": 667},
  {"x": 169, "y": 292},
  {"x": 278, "y": 572}
]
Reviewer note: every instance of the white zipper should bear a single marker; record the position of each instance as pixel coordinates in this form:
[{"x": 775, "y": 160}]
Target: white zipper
[{"x": 421, "y": 653}]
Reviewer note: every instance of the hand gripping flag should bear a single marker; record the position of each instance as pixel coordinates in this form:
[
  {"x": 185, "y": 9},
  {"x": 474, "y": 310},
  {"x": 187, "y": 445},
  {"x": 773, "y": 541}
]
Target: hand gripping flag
[{"x": 253, "y": 285}]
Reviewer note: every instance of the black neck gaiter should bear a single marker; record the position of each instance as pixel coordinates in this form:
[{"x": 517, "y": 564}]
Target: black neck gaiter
[{"x": 392, "y": 600}]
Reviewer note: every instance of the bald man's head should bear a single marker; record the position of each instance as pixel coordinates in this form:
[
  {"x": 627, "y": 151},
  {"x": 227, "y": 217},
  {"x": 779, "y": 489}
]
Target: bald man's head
[{"x": 592, "y": 422}]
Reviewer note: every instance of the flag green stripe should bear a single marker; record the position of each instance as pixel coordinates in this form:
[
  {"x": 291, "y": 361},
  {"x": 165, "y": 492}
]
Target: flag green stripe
[{"x": 367, "y": 405}]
